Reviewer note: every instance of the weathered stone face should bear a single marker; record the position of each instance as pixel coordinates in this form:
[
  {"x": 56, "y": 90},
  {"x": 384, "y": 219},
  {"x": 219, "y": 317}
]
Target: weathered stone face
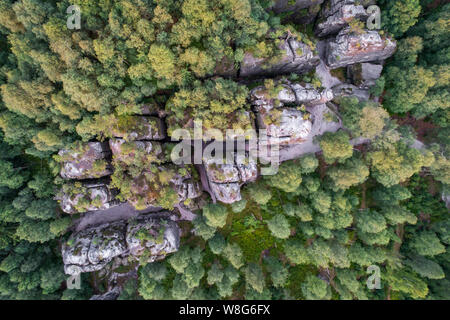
[
  {"x": 347, "y": 90},
  {"x": 364, "y": 75},
  {"x": 308, "y": 95},
  {"x": 285, "y": 123},
  {"x": 152, "y": 238},
  {"x": 300, "y": 11},
  {"x": 140, "y": 128},
  {"x": 337, "y": 16},
  {"x": 220, "y": 172},
  {"x": 78, "y": 197},
  {"x": 248, "y": 168},
  {"x": 295, "y": 57},
  {"x": 86, "y": 161},
  {"x": 92, "y": 249},
  {"x": 109, "y": 295},
  {"x": 147, "y": 187},
  {"x": 284, "y": 116},
  {"x": 188, "y": 189},
  {"x": 227, "y": 192},
  {"x": 126, "y": 151},
  {"x": 225, "y": 179},
  {"x": 289, "y": 93},
  {"x": 350, "y": 48}
]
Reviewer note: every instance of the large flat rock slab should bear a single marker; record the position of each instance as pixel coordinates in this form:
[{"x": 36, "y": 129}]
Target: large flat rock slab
[{"x": 350, "y": 48}]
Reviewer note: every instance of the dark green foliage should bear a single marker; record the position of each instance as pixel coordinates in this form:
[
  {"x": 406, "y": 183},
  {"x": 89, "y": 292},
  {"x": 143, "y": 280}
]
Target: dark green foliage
[
  {"x": 316, "y": 289},
  {"x": 336, "y": 147}
]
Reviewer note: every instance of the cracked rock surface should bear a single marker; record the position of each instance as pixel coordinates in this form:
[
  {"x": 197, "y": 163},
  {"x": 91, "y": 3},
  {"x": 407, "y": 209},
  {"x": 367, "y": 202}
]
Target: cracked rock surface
[
  {"x": 338, "y": 15},
  {"x": 350, "y": 48},
  {"x": 93, "y": 248},
  {"x": 296, "y": 57},
  {"x": 80, "y": 163}
]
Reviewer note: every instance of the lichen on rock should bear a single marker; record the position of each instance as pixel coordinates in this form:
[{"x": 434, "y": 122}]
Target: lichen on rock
[
  {"x": 147, "y": 238},
  {"x": 337, "y": 15},
  {"x": 78, "y": 197},
  {"x": 85, "y": 161},
  {"x": 351, "y": 47},
  {"x": 293, "y": 57}
]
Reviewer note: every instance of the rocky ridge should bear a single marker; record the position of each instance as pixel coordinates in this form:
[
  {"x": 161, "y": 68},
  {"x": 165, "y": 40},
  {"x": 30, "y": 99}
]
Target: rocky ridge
[
  {"x": 291, "y": 112},
  {"x": 149, "y": 237}
]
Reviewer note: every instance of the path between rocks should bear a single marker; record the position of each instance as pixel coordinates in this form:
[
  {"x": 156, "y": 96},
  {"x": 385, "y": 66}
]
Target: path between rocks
[
  {"x": 320, "y": 125},
  {"x": 322, "y": 70},
  {"x": 123, "y": 211}
]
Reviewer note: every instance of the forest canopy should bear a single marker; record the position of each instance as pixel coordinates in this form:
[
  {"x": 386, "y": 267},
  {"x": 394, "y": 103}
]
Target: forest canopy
[{"x": 309, "y": 232}]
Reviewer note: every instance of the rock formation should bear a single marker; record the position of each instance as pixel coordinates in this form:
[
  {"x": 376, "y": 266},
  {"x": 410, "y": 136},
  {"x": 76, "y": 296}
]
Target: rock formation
[
  {"x": 148, "y": 237},
  {"x": 226, "y": 178},
  {"x": 291, "y": 113},
  {"x": 126, "y": 151},
  {"x": 112, "y": 294},
  {"x": 85, "y": 161},
  {"x": 346, "y": 90},
  {"x": 364, "y": 75},
  {"x": 351, "y": 47},
  {"x": 140, "y": 128},
  {"x": 294, "y": 57},
  {"x": 81, "y": 197},
  {"x": 337, "y": 14},
  {"x": 284, "y": 115},
  {"x": 152, "y": 239},
  {"x": 93, "y": 248}
]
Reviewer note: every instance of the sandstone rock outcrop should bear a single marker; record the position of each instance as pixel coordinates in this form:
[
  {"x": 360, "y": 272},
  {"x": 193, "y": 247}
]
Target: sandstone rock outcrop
[
  {"x": 225, "y": 179},
  {"x": 148, "y": 237},
  {"x": 85, "y": 161},
  {"x": 140, "y": 128},
  {"x": 126, "y": 151},
  {"x": 337, "y": 14},
  {"x": 227, "y": 192},
  {"x": 346, "y": 90},
  {"x": 152, "y": 239},
  {"x": 283, "y": 114},
  {"x": 364, "y": 75},
  {"x": 291, "y": 113},
  {"x": 91, "y": 249},
  {"x": 286, "y": 93},
  {"x": 80, "y": 197},
  {"x": 187, "y": 186},
  {"x": 295, "y": 57},
  {"x": 350, "y": 48},
  {"x": 284, "y": 125},
  {"x": 149, "y": 185},
  {"x": 112, "y": 294}
]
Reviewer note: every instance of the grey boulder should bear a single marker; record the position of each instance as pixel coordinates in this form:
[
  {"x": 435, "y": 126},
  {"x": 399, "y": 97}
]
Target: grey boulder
[
  {"x": 295, "y": 57},
  {"x": 350, "y": 48},
  {"x": 85, "y": 161}
]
